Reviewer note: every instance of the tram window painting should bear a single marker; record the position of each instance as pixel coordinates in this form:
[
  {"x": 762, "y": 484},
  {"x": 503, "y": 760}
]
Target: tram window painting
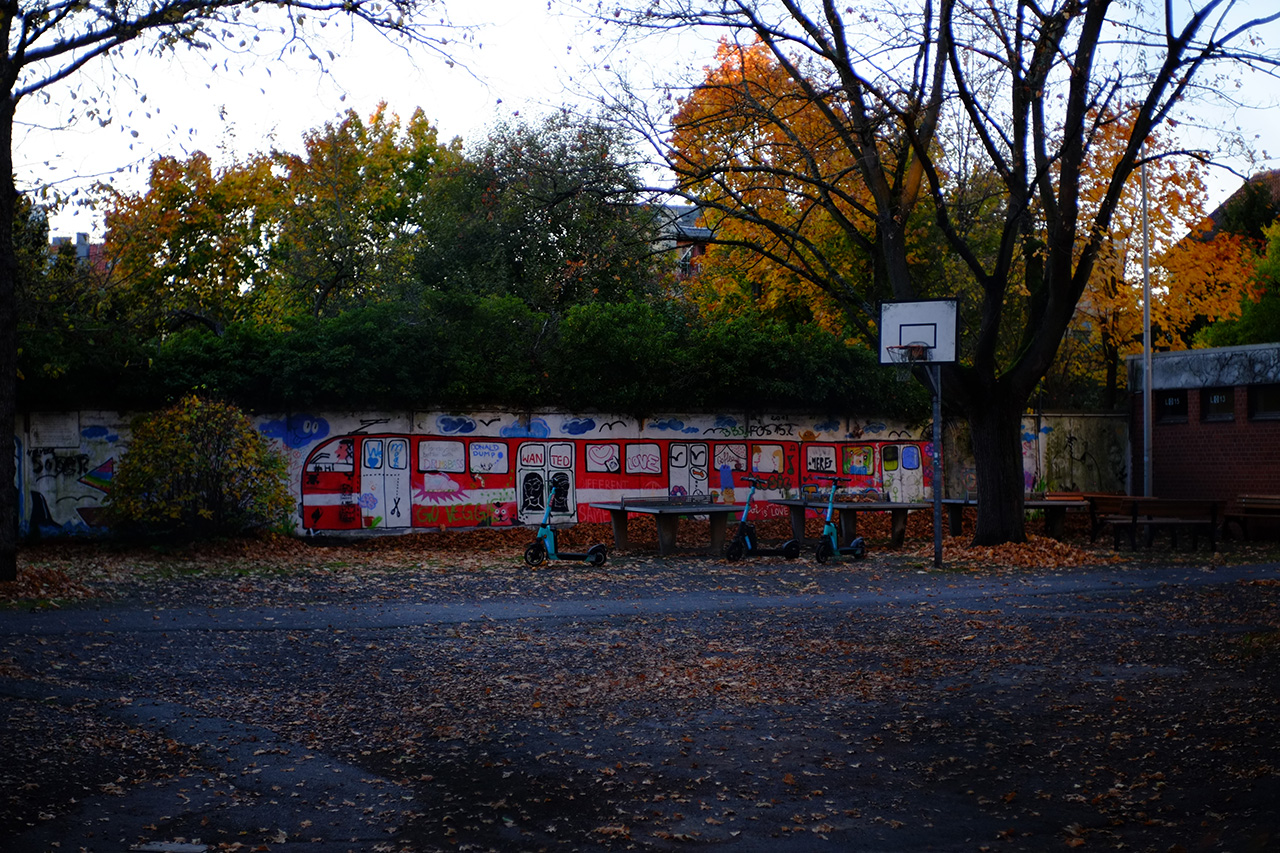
[{"x": 417, "y": 481}]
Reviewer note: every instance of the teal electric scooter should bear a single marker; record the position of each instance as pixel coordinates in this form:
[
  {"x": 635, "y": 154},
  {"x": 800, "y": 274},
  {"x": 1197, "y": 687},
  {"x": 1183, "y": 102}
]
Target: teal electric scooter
[
  {"x": 744, "y": 542},
  {"x": 829, "y": 545},
  {"x": 544, "y": 547}
]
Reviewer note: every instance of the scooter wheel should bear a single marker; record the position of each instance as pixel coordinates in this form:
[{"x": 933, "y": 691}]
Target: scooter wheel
[
  {"x": 858, "y": 548},
  {"x": 824, "y": 551},
  {"x": 597, "y": 554},
  {"x": 791, "y": 549},
  {"x": 734, "y": 550},
  {"x": 535, "y": 554}
]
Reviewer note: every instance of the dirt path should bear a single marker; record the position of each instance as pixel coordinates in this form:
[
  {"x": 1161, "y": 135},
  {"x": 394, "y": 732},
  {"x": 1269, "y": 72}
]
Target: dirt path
[{"x": 654, "y": 705}]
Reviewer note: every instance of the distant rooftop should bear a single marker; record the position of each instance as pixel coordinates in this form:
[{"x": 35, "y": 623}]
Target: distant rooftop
[
  {"x": 682, "y": 219},
  {"x": 1270, "y": 180}
]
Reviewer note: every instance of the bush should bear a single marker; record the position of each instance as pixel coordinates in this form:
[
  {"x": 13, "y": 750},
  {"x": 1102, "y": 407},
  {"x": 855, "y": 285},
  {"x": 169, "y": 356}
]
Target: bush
[{"x": 198, "y": 469}]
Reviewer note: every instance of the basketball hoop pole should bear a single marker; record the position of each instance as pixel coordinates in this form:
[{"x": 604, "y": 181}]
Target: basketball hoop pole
[
  {"x": 936, "y": 375},
  {"x": 907, "y": 357},
  {"x": 922, "y": 333}
]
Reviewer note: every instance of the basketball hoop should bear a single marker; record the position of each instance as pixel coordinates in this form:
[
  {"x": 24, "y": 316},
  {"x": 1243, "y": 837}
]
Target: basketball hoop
[{"x": 907, "y": 356}]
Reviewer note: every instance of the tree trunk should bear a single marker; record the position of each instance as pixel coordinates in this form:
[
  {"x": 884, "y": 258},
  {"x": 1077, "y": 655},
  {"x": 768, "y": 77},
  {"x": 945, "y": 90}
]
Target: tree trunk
[
  {"x": 8, "y": 349},
  {"x": 995, "y": 425}
]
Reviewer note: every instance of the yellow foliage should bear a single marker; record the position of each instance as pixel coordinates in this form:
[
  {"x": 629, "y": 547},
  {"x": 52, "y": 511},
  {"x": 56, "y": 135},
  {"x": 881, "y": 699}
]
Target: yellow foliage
[
  {"x": 195, "y": 241},
  {"x": 200, "y": 467}
]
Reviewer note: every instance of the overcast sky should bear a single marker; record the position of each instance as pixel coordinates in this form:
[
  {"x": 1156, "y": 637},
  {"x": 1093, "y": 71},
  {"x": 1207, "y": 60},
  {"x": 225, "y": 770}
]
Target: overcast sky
[{"x": 525, "y": 60}]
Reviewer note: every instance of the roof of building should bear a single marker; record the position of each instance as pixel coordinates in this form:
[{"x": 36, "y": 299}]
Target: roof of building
[
  {"x": 1270, "y": 180},
  {"x": 1217, "y": 367},
  {"x": 682, "y": 220}
]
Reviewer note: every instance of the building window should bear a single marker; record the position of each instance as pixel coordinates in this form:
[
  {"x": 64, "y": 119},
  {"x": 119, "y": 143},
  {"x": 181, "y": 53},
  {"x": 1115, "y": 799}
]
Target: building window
[
  {"x": 1171, "y": 406},
  {"x": 684, "y": 268},
  {"x": 1264, "y": 402},
  {"x": 1217, "y": 404}
]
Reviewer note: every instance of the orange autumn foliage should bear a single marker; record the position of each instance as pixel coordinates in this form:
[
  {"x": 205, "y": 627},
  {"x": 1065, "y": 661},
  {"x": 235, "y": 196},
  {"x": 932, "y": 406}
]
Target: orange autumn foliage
[
  {"x": 769, "y": 146},
  {"x": 1194, "y": 274}
]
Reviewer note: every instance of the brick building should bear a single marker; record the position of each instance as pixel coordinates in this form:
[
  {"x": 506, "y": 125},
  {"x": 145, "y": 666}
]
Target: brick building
[{"x": 1215, "y": 422}]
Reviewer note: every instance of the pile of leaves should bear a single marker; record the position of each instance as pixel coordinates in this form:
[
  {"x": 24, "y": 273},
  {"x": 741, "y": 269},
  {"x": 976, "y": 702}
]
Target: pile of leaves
[{"x": 44, "y": 584}]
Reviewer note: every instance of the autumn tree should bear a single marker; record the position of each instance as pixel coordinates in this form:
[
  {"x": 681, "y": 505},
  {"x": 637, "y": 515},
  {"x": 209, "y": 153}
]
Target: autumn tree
[
  {"x": 1259, "y": 318},
  {"x": 548, "y": 211},
  {"x": 194, "y": 245},
  {"x": 1252, "y": 214},
  {"x": 356, "y": 198},
  {"x": 1194, "y": 275},
  {"x": 48, "y": 42},
  {"x": 766, "y": 253},
  {"x": 901, "y": 88}
]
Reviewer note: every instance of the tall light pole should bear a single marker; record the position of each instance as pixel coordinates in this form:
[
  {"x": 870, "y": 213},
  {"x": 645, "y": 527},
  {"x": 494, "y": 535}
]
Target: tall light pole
[{"x": 1147, "y": 395}]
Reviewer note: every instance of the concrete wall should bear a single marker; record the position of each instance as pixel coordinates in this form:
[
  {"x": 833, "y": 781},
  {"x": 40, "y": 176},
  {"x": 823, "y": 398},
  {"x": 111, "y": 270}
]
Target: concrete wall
[
  {"x": 1209, "y": 368},
  {"x": 357, "y": 471},
  {"x": 66, "y": 461},
  {"x": 1060, "y": 452}
]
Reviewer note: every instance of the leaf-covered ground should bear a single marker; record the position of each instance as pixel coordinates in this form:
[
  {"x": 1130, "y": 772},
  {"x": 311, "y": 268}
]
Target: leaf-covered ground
[{"x": 1032, "y": 697}]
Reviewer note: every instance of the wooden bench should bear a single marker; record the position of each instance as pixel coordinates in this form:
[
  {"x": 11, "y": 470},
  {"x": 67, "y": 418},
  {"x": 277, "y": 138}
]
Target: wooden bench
[
  {"x": 1246, "y": 508},
  {"x": 667, "y": 510},
  {"x": 1126, "y": 514}
]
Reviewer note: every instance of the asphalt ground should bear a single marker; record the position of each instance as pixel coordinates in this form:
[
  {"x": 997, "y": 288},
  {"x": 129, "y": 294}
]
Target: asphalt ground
[{"x": 464, "y": 702}]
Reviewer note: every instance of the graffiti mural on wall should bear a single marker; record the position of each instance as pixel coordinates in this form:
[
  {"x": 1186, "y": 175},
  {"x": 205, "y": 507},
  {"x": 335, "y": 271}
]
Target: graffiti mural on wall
[
  {"x": 1075, "y": 453},
  {"x": 352, "y": 471},
  {"x": 495, "y": 470},
  {"x": 65, "y": 471}
]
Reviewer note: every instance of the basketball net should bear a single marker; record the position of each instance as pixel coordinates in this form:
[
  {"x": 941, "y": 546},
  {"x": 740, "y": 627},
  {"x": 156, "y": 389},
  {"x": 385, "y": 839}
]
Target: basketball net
[{"x": 906, "y": 357}]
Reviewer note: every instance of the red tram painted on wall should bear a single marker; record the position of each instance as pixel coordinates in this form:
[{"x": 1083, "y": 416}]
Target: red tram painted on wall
[{"x": 395, "y": 480}]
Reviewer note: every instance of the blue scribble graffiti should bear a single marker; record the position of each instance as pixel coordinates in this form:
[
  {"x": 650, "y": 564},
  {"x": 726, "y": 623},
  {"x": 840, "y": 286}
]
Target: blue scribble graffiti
[
  {"x": 99, "y": 433},
  {"x": 296, "y": 430},
  {"x": 537, "y": 428},
  {"x": 578, "y": 426},
  {"x": 453, "y": 425}
]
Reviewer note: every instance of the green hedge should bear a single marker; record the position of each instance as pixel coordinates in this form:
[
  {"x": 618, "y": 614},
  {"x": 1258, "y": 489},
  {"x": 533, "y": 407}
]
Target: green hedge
[{"x": 466, "y": 352}]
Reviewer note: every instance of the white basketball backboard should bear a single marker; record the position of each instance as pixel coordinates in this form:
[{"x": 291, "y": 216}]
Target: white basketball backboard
[{"x": 931, "y": 322}]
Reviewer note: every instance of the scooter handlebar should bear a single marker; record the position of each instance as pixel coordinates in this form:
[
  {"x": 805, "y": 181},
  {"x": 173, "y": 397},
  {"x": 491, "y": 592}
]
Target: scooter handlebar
[{"x": 835, "y": 478}]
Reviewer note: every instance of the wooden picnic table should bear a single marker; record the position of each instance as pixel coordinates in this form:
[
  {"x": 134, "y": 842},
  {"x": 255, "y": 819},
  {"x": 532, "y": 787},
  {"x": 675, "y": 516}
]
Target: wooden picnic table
[
  {"x": 848, "y": 515},
  {"x": 1055, "y": 512},
  {"x": 1127, "y": 513},
  {"x": 667, "y": 512}
]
